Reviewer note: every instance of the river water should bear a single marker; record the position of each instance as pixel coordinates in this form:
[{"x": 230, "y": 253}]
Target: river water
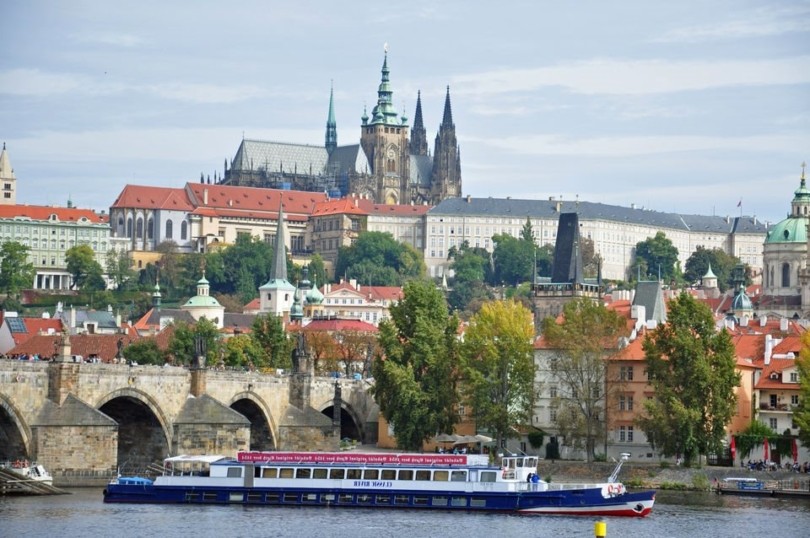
[{"x": 676, "y": 514}]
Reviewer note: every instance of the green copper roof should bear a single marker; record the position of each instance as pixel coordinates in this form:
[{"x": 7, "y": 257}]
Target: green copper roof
[
  {"x": 710, "y": 273},
  {"x": 741, "y": 301},
  {"x": 801, "y": 194},
  {"x": 790, "y": 230},
  {"x": 384, "y": 113}
]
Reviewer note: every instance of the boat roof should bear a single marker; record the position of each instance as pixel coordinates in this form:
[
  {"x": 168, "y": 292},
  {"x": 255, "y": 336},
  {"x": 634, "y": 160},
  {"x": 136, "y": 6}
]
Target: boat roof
[
  {"x": 363, "y": 458},
  {"x": 200, "y": 458}
]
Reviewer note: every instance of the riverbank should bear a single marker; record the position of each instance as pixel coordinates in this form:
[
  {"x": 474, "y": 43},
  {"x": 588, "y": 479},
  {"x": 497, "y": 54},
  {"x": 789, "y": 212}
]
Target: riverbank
[{"x": 651, "y": 475}]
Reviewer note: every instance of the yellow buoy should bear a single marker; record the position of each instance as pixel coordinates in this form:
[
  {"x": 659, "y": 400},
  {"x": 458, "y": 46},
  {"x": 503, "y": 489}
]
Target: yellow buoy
[{"x": 600, "y": 529}]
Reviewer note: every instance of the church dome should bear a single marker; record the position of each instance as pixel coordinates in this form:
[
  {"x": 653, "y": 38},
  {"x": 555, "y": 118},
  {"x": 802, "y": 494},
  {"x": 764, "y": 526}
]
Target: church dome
[
  {"x": 741, "y": 301},
  {"x": 791, "y": 230},
  {"x": 314, "y": 296}
]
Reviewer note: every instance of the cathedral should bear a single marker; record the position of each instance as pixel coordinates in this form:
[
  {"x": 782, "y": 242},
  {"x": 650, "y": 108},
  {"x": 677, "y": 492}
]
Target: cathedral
[{"x": 390, "y": 165}]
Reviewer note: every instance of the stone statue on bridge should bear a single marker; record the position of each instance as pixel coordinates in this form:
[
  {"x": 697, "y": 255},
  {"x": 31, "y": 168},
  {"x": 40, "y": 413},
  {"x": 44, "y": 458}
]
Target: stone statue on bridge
[{"x": 300, "y": 354}]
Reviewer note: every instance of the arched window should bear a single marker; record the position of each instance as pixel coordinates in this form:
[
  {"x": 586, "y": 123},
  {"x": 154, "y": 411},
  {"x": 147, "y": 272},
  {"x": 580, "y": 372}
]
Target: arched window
[
  {"x": 150, "y": 228},
  {"x": 168, "y": 229},
  {"x": 139, "y": 228},
  {"x": 129, "y": 227},
  {"x": 785, "y": 275},
  {"x": 184, "y": 230},
  {"x": 120, "y": 224},
  {"x": 771, "y": 281}
]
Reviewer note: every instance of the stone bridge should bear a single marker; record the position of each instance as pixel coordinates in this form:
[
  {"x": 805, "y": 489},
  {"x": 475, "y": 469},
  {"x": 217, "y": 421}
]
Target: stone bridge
[{"x": 92, "y": 419}]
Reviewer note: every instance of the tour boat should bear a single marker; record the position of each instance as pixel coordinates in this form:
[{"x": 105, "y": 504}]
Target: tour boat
[
  {"x": 430, "y": 481},
  {"x": 29, "y": 471}
]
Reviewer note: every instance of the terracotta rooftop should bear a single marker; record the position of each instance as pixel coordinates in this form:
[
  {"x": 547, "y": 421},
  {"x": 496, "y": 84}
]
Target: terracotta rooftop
[{"x": 41, "y": 212}]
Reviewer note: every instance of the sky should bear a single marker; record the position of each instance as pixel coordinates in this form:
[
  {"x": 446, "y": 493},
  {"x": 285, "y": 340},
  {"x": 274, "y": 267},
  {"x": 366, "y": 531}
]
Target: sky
[{"x": 692, "y": 106}]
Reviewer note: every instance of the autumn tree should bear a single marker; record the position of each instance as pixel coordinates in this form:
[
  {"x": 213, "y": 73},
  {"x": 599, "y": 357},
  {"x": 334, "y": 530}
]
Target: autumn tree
[
  {"x": 499, "y": 368},
  {"x": 16, "y": 272},
  {"x": 242, "y": 351},
  {"x": 324, "y": 351},
  {"x": 582, "y": 345},
  {"x": 416, "y": 368},
  {"x": 355, "y": 348},
  {"x": 691, "y": 367}
]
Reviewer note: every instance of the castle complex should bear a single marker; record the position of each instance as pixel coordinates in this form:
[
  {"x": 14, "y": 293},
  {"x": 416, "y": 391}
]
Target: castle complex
[{"x": 390, "y": 165}]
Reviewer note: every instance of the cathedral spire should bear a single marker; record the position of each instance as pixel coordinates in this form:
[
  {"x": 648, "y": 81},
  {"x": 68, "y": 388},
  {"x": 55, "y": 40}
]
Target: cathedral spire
[
  {"x": 418, "y": 134},
  {"x": 331, "y": 124},
  {"x": 384, "y": 113},
  {"x": 447, "y": 119}
]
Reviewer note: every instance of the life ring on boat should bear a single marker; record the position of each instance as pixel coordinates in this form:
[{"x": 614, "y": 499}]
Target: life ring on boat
[{"x": 610, "y": 489}]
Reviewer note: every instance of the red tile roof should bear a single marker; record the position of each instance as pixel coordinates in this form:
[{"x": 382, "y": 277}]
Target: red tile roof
[
  {"x": 776, "y": 366},
  {"x": 252, "y": 201},
  {"x": 43, "y": 212},
  {"x": 335, "y": 324},
  {"x": 353, "y": 205},
  {"x": 34, "y": 326},
  {"x": 145, "y": 197},
  {"x": 103, "y": 346}
]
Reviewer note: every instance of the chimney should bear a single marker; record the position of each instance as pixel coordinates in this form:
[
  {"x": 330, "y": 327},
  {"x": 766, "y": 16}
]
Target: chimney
[
  {"x": 205, "y": 196},
  {"x": 72, "y": 319},
  {"x": 783, "y": 325},
  {"x": 763, "y": 321},
  {"x": 468, "y": 198},
  {"x": 768, "y": 348}
]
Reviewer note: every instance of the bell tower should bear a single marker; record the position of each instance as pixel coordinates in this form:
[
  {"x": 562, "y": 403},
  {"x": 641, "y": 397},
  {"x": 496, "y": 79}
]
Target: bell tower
[
  {"x": 384, "y": 139},
  {"x": 8, "y": 182}
]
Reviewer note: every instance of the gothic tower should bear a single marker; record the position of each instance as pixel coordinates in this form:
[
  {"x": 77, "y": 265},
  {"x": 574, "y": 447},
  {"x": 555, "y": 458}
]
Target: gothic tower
[
  {"x": 384, "y": 140},
  {"x": 446, "y": 177},
  {"x": 419, "y": 144},
  {"x": 331, "y": 125}
]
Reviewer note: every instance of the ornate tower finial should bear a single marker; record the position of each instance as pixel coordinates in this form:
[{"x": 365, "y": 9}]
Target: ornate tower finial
[{"x": 331, "y": 124}]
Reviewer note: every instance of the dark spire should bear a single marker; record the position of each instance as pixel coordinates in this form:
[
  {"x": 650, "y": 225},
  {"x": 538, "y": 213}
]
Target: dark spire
[
  {"x": 331, "y": 124},
  {"x": 447, "y": 119},
  {"x": 279, "y": 269},
  {"x": 418, "y": 134}
]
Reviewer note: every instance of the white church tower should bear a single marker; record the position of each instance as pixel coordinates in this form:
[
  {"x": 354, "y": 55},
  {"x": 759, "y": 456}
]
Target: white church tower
[
  {"x": 8, "y": 183},
  {"x": 276, "y": 296}
]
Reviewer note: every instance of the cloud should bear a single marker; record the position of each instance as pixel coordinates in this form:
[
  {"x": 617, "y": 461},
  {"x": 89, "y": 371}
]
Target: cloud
[
  {"x": 637, "y": 77},
  {"x": 763, "y": 22},
  {"x": 640, "y": 145},
  {"x": 109, "y": 38},
  {"x": 204, "y": 93},
  {"x": 33, "y": 82}
]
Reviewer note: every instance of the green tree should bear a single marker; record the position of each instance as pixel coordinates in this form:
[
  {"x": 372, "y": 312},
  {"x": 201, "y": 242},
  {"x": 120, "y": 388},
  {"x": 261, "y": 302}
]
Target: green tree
[
  {"x": 499, "y": 367},
  {"x": 513, "y": 260},
  {"x": 85, "y": 270},
  {"x": 545, "y": 260},
  {"x": 247, "y": 265},
  {"x": 470, "y": 266},
  {"x": 119, "y": 268},
  {"x": 801, "y": 415},
  {"x": 416, "y": 370},
  {"x": 268, "y": 333},
  {"x": 16, "y": 272},
  {"x": 377, "y": 259},
  {"x": 182, "y": 344},
  {"x": 591, "y": 260},
  {"x": 170, "y": 269},
  {"x": 317, "y": 270},
  {"x": 691, "y": 367},
  {"x": 242, "y": 351},
  {"x": 583, "y": 344},
  {"x": 657, "y": 254},
  {"x": 144, "y": 351},
  {"x": 723, "y": 266}
]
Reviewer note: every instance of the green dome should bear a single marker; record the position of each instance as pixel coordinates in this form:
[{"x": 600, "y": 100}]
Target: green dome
[
  {"x": 741, "y": 301},
  {"x": 790, "y": 230}
]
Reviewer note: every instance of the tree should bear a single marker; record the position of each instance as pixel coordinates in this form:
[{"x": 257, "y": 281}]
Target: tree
[
  {"x": 416, "y": 368},
  {"x": 471, "y": 267},
  {"x": 317, "y": 270},
  {"x": 801, "y": 415},
  {"x": 377, "y": 259},
  {"x": 268, "y": 333},
  {"x": 659, "y": 256},
  {"x": 324, "y": 350},
  {"x": 170, "y": 268},
  {"x": 144, "y": 351},
  {"x": 723, "y": 266},
  {"x": 583, "y": 344},
  {"x": 591, "y": 260},
  {"x": 16, "y": 272},
  {"x": 85, "y": 270},
  {"x": 545, "y": 260},
  {"x": 513, "y": 260},
  {"x": 182, "y": 345},
  {"x": 355, "y": 348},
  {"x": 119, "y": 267},
  {"x": 691, "y": 368},
  {"x": 242, "y": 351},
  {"x": 499, "y": 367}
]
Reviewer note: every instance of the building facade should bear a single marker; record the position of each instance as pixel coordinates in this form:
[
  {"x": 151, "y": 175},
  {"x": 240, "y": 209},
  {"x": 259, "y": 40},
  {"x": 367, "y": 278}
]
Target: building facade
[{"x": 391, "y": 163}]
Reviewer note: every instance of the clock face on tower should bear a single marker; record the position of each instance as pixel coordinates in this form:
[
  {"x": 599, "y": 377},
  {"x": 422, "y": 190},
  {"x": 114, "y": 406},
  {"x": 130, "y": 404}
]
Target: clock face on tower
[{"x": 391, "y": 153}]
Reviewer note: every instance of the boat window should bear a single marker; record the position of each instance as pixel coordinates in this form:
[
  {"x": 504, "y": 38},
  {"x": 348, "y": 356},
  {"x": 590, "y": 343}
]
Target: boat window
[
  {"x": 489, "y": 476},
  {"x": 235, "y": 497},
  {"x": 337, "y": 473},
  {"x": 257, "y": 472},
  {"x": 441, "y": 476},
  {"x": 458, "y": 476},
  {"x": 287, "y": 472},
  {"x": 371, "y": 474},
  {"x": 401, "y": 499},
  {"x": 320, "y": 473},
  {"x": 269, "y": 472},
  {"x": 209, "y": 496},
  {"x": 459, "y": 501},
  {"x": 254, "y": 497},
  {"x": 478, "y": 503},
  {"x": 346, "y": 498},
  {"x": 327, "y": 497},
  {"x": 439, "y": 500},
  {"x": 309, "y": 497},
  {"x": 234, "y": 472},
  {"x": 290, "y": 497},
  {"x": 405, "y": 474},
  {"x": 423, "y": 475},
  {"x": 353, "y": 474},
  {"x": 383, "y": 499},
  {"x": 273, "y": 497},
  {"x": 389, "y": 474},
  {"x": 420, "y": 500},
  {"x": 303, "y": 473},
  {"x": 364, "y": 498}
]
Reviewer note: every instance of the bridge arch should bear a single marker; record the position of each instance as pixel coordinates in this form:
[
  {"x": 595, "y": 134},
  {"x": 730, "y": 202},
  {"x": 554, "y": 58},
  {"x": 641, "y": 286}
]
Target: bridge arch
[
  {"x": 15, "y": 435},
  {"x": 263, "y": 429},
  {"x": 144, "y": 432},
  {"x": 350, "y": 426}
]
